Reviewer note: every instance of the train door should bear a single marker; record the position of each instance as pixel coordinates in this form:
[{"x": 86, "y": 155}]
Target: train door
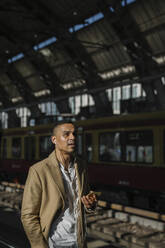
[
  {"x": 3, "y": 157},
  {"x": 30, "y": 148},
  {"x": 79, "y": 142},
  {"x": 4, "y": 148},
  {"x": 45, "y": 146},
  {"x": 88, "y": 147}
]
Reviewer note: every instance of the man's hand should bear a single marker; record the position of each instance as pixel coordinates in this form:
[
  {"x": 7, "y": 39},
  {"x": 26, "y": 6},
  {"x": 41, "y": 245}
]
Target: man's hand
[{"x": 89, "y": 201}]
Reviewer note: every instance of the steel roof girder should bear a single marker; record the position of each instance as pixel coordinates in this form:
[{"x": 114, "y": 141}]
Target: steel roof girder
[{"x": 41, "y": 65}]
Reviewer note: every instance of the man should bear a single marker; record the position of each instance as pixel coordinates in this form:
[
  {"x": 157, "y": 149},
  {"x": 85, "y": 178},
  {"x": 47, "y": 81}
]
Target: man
[{"x": 55, "y": 194}]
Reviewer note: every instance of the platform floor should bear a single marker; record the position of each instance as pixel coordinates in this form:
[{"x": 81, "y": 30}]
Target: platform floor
[{"x": 13, "y": 236}]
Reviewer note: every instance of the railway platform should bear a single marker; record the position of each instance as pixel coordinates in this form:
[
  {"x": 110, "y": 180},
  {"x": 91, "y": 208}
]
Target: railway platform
[
  {"x": 13, "y": 236},
  {"x": 112, "y": 225}
]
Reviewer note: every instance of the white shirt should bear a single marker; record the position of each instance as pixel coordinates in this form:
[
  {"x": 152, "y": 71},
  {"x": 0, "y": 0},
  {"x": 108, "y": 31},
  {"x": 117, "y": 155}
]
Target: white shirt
[{"x": 63, "y": 231}]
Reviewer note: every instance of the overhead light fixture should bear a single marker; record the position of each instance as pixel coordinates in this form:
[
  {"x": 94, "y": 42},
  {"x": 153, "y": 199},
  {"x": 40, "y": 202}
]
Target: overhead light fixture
[
  {"x": 42, "y": 93},
  {"x": 16, "y": 99},
  {"x": 46, "y": 52},
  {"x": 116, "y": 72},
  {"x": 160, "y": 59},
  {"x": 74, "y": 84}
]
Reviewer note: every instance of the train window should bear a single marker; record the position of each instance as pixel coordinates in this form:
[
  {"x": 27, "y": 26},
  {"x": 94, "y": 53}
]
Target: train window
[
  {"x": 139, "y": 146},
  {"x": 79, "y": 142},
  {"x": 88, "y": 146},
  {"x": 4, "y": 149},
  {"x": 30, "y": 148},
  {"x": 46, "y": 146},
  {"x": 16, "y": 147},
  {"x": 110, "y": 147}
]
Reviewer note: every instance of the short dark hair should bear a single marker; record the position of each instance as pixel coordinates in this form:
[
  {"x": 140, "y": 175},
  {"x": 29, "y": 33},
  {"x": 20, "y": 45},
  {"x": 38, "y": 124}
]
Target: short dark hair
[{"x": 59, "y": 123}]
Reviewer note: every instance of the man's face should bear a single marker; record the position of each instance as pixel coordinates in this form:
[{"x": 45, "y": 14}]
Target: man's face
[{"x": 64, "y": 138}]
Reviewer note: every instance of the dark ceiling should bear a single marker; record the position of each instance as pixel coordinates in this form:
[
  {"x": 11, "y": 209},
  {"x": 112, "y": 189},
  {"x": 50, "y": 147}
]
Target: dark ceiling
[{"x": 91, "y": 45}]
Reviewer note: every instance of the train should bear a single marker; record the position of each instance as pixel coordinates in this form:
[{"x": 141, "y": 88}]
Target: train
[{"x": 125, "y": 155}]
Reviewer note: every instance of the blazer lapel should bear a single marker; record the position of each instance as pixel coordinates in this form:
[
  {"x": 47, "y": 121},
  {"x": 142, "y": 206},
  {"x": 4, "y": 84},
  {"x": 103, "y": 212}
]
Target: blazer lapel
[{"x": 55, "y": 173}]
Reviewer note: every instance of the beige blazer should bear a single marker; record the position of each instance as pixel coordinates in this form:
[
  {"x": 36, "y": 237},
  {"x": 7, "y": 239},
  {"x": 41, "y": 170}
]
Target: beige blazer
[{"x": 44, "y": 199}]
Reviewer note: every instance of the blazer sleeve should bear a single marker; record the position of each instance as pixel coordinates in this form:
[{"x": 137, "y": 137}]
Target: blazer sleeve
[{"x": 30, "y": 210}]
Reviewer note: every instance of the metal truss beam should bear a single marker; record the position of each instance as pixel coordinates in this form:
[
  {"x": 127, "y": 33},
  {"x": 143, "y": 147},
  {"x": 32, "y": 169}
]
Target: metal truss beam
[
  {"x": 87, "y": 68},
  {"x": 139, "y": 52},
  {"x": 5, "y": 98},
  {"x": 50, "y": 78},
  {"x": 23, "y": 88},
  {"x": 76, "y": 51},
  {"x": 38, "y": 61}
]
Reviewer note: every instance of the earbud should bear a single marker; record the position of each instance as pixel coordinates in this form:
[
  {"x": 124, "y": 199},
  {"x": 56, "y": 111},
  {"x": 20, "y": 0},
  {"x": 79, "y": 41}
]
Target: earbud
[{"x": 53, "y": 139}]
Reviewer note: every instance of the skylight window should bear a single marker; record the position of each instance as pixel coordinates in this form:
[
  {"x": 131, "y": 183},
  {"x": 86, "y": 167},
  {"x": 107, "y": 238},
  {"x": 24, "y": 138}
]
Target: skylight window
[
  {"x": 36, "y": 47},
  {"x": 128, "y": 1},
  {"x": 87, "y": 22},
  {"x": 123, "y": 3},
  {"x": 45, "y": 43},
  {"x": 94, "y": 18},
  {"x": 75, "y": 28},
  {"x": 15, "y": 58}
]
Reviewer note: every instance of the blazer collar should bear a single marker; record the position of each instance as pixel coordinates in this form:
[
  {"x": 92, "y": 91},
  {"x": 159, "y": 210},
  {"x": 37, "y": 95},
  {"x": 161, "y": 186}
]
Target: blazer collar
[{"x": 55, "y": 172}]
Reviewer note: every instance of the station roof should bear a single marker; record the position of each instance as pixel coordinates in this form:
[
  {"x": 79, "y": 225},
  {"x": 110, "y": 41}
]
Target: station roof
[{"x": 53, "y": 49}]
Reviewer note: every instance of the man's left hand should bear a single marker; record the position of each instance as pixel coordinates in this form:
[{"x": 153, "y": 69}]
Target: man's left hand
[{"x": 89, "y": 200}]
